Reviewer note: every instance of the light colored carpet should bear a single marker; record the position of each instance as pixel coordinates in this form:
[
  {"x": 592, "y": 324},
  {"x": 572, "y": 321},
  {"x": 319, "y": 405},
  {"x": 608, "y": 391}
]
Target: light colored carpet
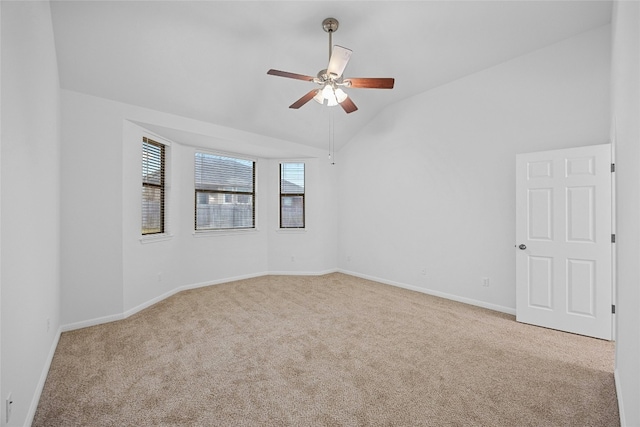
[{"x": 333, "y": 350}]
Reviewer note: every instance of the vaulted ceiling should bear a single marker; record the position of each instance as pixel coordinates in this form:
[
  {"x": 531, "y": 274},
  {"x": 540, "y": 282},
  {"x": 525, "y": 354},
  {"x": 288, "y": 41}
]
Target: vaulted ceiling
[{"x": 208, "y": 60}]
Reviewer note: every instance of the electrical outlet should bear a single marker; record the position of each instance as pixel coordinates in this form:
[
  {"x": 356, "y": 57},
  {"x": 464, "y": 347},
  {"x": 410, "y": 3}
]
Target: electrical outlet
[
  {"x": 9, "y": 404},
  {"x": 160, "y": 276},
  {"x": 48, "y": 324},
  {"x": 348, "y": 258},
  {"x": 423, "y": 271},
  {"x": 293, "y": 259},
  {"x": 485, "y": 282}
]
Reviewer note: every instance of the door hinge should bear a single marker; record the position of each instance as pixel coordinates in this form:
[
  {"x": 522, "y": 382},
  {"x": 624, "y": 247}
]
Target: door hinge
[
  {"x": 613, "y": 167},
  {"x": 613, "y": 309},
  {"x": 613, "y": 238}
]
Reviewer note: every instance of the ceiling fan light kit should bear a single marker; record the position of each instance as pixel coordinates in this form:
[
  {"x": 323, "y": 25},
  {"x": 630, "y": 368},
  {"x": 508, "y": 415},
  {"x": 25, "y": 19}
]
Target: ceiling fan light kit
[{"x": 331, "y": 80}]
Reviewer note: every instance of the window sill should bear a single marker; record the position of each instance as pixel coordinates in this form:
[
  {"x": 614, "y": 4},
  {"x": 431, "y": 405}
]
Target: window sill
[
  {"x": 212, "y": 233},
  {"x": 291, "y": 230},
  {"x": 155, "y": 238}
]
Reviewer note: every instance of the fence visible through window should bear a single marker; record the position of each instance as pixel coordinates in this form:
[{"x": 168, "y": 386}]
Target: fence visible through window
[
  {"x": 224, "y": 192},
  {"x": 292, "y": 195}
]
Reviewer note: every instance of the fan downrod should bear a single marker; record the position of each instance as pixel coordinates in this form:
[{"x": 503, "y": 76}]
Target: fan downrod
[{"x": 330, "y": 25}]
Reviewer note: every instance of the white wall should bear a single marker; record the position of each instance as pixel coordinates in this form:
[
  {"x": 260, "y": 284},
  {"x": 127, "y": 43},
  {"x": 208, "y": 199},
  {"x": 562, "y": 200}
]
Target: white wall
[
  {"x": 30, "y": 204},
  {"x": 430, "y": 183},
  {"x": 158, "y": 268},
  {"x": 626, "y": 134},
  {"x": 109, "y": 272},
  {"x": 2, "y": 415},
  {"x": 91, "y": 211},
  {"x": 451, "y": 150},
  {"x": 314, "y": 249}
]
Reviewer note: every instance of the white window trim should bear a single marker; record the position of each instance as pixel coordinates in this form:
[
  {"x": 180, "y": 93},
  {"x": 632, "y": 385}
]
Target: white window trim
[
  {"x": 224, "y": 232},
  {"x": 152, "y": 238},
  {"x": 292, "y": 230}
]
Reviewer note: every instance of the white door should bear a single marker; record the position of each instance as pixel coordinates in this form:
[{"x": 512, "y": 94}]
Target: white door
[{"x": 563, "y": 232}]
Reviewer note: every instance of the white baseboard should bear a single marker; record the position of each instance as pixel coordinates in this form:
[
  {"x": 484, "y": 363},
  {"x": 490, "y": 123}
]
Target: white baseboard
[
  {"x": 483, "y": 304},
  {"x": 303, "y": 273},
  {"x": 146, "y": 304},
  {"x": 616, "y": 379},
  {"x": 152, "y": 301},
  {"x": 221, "y": 281},
  {"x": 155, "y": 300},
  {"x": 91, "y": 322},
  {"x": 172, "y": 292},
  {"x": 43, "y": 378}
]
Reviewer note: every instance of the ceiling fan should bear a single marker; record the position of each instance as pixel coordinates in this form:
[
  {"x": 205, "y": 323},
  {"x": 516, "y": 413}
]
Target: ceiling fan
[{"x": 331, "y": 80}]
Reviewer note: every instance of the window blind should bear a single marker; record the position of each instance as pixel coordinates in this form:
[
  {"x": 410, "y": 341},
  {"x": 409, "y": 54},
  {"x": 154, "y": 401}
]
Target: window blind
[
  {"x": 153, "y": 186},
  {"x": 224, "y": 192},
  {"x": 292, "y": 199}
]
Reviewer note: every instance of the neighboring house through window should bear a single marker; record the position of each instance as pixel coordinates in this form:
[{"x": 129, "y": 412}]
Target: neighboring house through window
[
  {"x": 224, "y": 192},
  {"x": 153, "y": 187},
  {"x": 292, "y": 195}
]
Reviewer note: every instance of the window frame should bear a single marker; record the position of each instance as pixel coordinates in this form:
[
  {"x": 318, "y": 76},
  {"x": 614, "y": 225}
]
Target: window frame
[
  {"x": 301, "y": 194},
  {"x": 224, "y": 193},
  {"x": 162, "y": 186}
]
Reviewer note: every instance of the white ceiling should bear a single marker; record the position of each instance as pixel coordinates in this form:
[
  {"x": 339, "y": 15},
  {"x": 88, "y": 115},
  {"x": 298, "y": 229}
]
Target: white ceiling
[{"x": 207, "y": 60}]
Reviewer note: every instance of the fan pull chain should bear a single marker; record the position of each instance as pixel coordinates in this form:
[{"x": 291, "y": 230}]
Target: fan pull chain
[{"x": 332, "y": 159}]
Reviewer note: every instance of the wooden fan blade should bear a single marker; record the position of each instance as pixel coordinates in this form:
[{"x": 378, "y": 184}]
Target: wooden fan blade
[
  {"x": 338, "y": 61},
  {"x": 306, "y": 98},
  {"x": 290, "y": 75},
  {"x": 371, "y": 82},
  {"x": 348, "y": 106}
]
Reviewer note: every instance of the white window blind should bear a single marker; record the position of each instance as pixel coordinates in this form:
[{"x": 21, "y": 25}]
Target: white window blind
[{"x": 224, "y": 192}]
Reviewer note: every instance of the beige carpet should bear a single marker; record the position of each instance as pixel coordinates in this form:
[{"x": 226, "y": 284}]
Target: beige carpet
[{"x": 325, "y": 351}]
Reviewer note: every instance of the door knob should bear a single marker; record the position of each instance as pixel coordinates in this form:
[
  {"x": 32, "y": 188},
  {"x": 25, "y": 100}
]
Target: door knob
[{"x": 522, "y": 247}]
